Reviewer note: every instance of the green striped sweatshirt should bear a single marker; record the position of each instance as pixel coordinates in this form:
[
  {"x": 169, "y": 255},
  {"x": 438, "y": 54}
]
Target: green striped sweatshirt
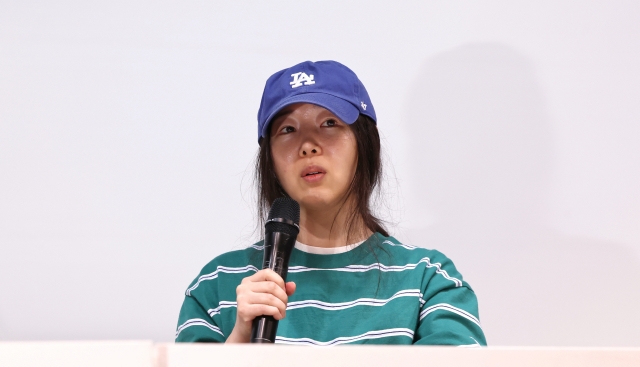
[{"x": 379, "y": 292}]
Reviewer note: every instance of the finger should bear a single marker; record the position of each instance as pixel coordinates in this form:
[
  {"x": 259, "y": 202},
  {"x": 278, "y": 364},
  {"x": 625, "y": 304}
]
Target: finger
[
  {"x": 268, "y": 300},
  {"x": 268, "y": 274},
  {"x": 268, "y": 288},
  {"x": 264, "y": 310},
  {"x": 290, "y": 288}
]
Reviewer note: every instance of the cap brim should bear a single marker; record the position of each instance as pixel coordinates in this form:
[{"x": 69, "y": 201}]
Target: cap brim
[{"x": 344, "y": 110}]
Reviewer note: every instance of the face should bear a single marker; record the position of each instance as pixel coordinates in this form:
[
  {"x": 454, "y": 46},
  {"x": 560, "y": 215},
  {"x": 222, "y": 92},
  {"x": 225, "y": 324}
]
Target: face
[{"x": 314, "y": 155}]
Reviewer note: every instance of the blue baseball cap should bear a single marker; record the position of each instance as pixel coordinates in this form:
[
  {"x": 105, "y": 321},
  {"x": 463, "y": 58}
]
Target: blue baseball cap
[{"x": 328, "y": 84}]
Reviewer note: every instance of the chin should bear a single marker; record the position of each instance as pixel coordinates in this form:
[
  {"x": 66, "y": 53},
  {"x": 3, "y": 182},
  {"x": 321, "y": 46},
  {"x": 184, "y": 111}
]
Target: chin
[{"x": 316, "y": 202}]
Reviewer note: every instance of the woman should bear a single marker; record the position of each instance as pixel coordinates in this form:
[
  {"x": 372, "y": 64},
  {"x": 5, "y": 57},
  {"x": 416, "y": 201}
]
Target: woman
[{"x": 349, "y": 282}]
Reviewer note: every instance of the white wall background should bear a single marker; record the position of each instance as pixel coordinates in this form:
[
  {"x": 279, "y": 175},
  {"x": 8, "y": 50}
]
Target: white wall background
[{"x": 127, "y": 134}]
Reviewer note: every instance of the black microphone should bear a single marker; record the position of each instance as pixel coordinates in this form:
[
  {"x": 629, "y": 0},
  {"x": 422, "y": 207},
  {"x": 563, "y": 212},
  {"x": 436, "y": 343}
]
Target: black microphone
[{"x": 280, "y": 233}]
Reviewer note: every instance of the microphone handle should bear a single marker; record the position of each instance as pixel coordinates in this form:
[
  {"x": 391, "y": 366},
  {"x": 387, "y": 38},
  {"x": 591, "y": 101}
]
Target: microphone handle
[{"x": 277, "y": 250}]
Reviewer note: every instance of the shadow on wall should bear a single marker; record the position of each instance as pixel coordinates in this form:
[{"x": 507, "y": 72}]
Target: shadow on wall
[{"x": 484, "y": 148}]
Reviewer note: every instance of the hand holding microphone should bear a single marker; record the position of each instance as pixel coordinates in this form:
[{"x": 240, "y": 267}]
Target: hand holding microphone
[
  {"x": 262, "y": 298},
  {"x": 263, "y": 293}
]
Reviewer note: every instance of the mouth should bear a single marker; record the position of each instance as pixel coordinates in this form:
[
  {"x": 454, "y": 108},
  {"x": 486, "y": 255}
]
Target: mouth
[{"x": 313, "y": 173}]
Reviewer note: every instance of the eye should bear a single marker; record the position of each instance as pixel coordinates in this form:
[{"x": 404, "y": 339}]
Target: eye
[
  {"x": 287, "y": 129},
  {"x": 330, "y": 123}
]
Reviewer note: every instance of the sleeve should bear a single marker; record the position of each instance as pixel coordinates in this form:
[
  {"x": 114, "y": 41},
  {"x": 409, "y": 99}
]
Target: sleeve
[
  {"x": 449, "y": 311},
  {"x": 195, "y": 324}
]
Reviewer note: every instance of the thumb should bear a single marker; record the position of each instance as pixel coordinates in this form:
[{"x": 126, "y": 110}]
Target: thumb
[{"x": 290, "y": 287}]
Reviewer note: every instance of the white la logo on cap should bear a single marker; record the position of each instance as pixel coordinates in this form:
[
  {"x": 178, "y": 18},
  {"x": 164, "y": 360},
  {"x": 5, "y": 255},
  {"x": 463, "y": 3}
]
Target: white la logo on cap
[{"x": 299, "y": 78}]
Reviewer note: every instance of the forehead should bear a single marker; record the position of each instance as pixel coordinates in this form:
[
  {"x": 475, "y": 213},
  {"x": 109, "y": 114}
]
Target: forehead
[{"x": 300, "y": 109}]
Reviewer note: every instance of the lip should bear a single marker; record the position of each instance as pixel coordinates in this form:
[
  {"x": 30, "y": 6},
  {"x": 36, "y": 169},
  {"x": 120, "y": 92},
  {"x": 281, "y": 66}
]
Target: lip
[{"x": 313, "y": 173}]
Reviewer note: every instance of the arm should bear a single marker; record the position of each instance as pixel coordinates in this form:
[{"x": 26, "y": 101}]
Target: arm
[
  {"x": 195, "y": 324},
  {"x": 263, "y": 293},
  {"x": 450, "y": 318},
  {"x": 449, "y": 313}
]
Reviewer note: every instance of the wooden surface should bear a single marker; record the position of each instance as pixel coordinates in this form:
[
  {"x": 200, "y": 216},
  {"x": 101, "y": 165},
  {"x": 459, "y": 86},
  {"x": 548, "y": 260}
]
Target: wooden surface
[
  {"x": 77, "y": 354},
  {"x": 146, "y": 354},
  {"x": 179, "y": 355}
]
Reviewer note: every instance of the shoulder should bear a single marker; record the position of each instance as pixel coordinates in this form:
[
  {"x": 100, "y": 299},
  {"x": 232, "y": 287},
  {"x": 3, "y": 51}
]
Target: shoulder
[
  {"x": 408, "y": 251},
  {"x": 232, "y": 262},
  {"x": 433, "y": 262},
  {"x": 241, "y": 257}
]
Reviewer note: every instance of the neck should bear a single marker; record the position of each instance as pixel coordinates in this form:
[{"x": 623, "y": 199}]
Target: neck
[{"x": 329, "y": 228}]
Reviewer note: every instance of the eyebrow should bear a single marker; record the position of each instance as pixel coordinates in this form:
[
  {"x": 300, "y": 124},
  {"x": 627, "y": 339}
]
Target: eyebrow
[{"x": 283, "y": 111}]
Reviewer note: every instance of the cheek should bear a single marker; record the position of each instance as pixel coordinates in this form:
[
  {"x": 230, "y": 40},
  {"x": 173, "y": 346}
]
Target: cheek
[
  {"x": 345, "y": 156},
  {"x": 351, "y": 166},
  {"x": 282, "y": 164}
]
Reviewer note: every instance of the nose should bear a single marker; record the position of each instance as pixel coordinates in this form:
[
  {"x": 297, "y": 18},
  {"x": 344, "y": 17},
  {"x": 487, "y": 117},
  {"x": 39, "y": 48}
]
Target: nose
[{"x": 308, "y": 149}]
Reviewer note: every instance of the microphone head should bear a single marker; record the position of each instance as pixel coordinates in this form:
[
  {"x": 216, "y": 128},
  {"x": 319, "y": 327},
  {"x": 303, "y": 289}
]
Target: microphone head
[
  {"x": 285, "y": 213},
  {"x": 285, "y": 208}
]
